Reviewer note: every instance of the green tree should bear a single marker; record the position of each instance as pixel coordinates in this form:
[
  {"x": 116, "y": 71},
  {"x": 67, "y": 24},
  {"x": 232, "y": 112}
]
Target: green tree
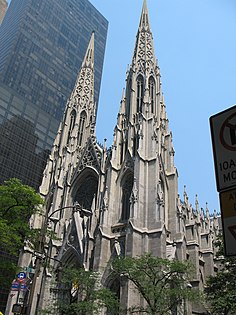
[
  {"x": 17, "y": 203},
  {"x": 164, "y": 284},
  {"x": 80, "y": 294},
  {"x": 220, "y": 288}
]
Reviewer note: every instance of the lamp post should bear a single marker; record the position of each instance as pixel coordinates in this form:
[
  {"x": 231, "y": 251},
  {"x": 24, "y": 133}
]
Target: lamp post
[{"x": 39, "y": 253}]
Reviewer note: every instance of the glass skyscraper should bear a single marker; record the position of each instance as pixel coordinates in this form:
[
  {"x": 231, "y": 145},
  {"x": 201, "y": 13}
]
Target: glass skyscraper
[{"x": 42, "y": 44}]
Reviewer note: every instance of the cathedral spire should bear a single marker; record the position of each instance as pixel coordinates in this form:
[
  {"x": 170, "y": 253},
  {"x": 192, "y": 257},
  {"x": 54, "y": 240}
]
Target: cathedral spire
[
  {"x": 89, "y": 56},
  {"x": 83, "y": 92},
  {"x": 141, "y": 100},
  {"x": 144, "y": 55},
  {"x": 144, "y": 21},
  {"x": 78, "y": 122},
  {"x": 144, "y": 74},
  {"x": 81, "y": 103}
]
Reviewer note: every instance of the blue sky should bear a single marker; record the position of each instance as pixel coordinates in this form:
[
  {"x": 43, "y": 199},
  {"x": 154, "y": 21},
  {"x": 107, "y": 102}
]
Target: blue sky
[{"x": 195, "y": 44}]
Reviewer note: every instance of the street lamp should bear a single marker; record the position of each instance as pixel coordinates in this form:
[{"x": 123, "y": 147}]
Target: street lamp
[{"x": 39, "y": 253}]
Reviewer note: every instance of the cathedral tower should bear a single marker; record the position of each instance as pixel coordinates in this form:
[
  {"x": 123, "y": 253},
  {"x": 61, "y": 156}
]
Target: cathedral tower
[
  {"x": 142, "y": 167},
  {"x": 70, "y": 188},
  {"x": 140, "y": 188},
  {"x": 103, "y": 203}
]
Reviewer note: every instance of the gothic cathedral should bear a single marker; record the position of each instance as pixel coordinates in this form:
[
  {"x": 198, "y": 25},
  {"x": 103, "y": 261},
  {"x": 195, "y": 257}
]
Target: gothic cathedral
[{"x": 121, "y": 200}]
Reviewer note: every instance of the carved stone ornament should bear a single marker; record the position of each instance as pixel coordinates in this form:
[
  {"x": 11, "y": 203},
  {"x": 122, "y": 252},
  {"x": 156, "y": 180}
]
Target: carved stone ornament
[
  {"x": 90, "y": 158},
  {"x": 85, "y": 84},
  {"x": 145, "y": 58}
]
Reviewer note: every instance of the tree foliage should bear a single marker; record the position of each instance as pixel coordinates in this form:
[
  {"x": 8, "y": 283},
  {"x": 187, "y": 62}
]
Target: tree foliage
[
  {"x": 163, "y": 283},
  {"x": 220, "y": 288},
  {"x": 17, "y": 203},
  {"x": 81, "y": 294}
]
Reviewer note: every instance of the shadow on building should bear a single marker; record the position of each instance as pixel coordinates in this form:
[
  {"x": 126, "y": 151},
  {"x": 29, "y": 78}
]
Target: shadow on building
[{"x": 21, "y": 158}]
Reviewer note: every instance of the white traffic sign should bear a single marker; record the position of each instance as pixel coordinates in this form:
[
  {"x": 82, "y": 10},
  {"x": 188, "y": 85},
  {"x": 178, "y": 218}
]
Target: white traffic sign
[{"x": 223, "y": 133}]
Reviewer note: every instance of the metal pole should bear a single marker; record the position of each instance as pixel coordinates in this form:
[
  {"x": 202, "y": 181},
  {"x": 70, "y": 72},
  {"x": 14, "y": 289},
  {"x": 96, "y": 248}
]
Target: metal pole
[
  {"x": 40, "y": 251},
  {"x": 37, "y": 271}
]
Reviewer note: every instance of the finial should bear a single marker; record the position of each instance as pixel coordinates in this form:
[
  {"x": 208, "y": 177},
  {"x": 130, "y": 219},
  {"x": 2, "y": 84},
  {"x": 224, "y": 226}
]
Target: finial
[
  {"x": 123, "y": 93},
  {"x": 196, "y": 202},
  {"x": 202, "y": 214},
  {"x": 122, "y": 103},
  {"x": 185, "y": 192},
  {"x": 105, "y": 144},
  {"x": 185, "y": 195},
  {"x": 215, "y": 214},
  {"x": 207, "y": 211},
  {"x": 162, "y": 99}
]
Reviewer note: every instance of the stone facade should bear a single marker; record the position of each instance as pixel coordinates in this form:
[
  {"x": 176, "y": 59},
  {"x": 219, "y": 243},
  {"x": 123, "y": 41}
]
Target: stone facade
[{"x": 123, "y": 200}]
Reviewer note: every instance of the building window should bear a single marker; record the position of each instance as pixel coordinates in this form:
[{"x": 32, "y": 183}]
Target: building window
[
  {"x": 86, "y": 192},
  {"x": 121, "y": 149},
  {"x": 135, "y": 144},
  {"x": 72, "y": 119},
  {"x": 151, "y": 87},
  {"x": 72, "y": 124},
  {"x": 81, "y": 127},
  {"x": 115, "y": 289},
  {"x": 126, "y": 193},
  {"x": 128, "y": 97},
  {"x": 140, "y": 92}
]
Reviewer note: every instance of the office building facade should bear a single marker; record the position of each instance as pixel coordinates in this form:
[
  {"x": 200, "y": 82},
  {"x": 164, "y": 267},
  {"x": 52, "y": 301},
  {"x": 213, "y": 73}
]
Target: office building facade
[{"x": 42, "y": 44}]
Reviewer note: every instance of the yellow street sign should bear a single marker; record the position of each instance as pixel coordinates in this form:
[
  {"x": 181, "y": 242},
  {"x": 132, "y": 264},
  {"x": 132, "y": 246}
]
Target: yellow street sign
[
  {"x": 228, "y": 203},
  {"x": 228, "y": 215}
]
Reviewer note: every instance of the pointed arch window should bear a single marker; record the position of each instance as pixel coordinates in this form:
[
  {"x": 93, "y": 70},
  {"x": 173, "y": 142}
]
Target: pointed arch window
[
  {"x": 126, "y": 193},
  {"x": 128, "y": 96},
  {"x": 161, "y": 200},
  {"x": 72, "y": 119},
  {"x": 87, "y": 191},
  {"x": 152, "y": 92},
  {"x": 140, "y": 93},
  {"x": 121, "y": 152},
  {"x": 81, "y": 127},
  {"x": 121, "y": 149},
  {"x": 115, "y": 288},
  {"x": 135, "y": 144},
  {"x": 72, "y": 123},
  {"x": 126, "y": 145}
]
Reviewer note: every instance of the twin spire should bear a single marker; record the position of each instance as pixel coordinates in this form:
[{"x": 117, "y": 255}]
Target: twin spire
[
  {"x": 143, "y": 56},
  {"x": 82, "y": 97}
]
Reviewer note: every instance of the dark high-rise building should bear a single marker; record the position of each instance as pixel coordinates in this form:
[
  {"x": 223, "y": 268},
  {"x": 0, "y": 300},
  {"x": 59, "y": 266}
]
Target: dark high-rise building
[{"x": 42, "y": 44}]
